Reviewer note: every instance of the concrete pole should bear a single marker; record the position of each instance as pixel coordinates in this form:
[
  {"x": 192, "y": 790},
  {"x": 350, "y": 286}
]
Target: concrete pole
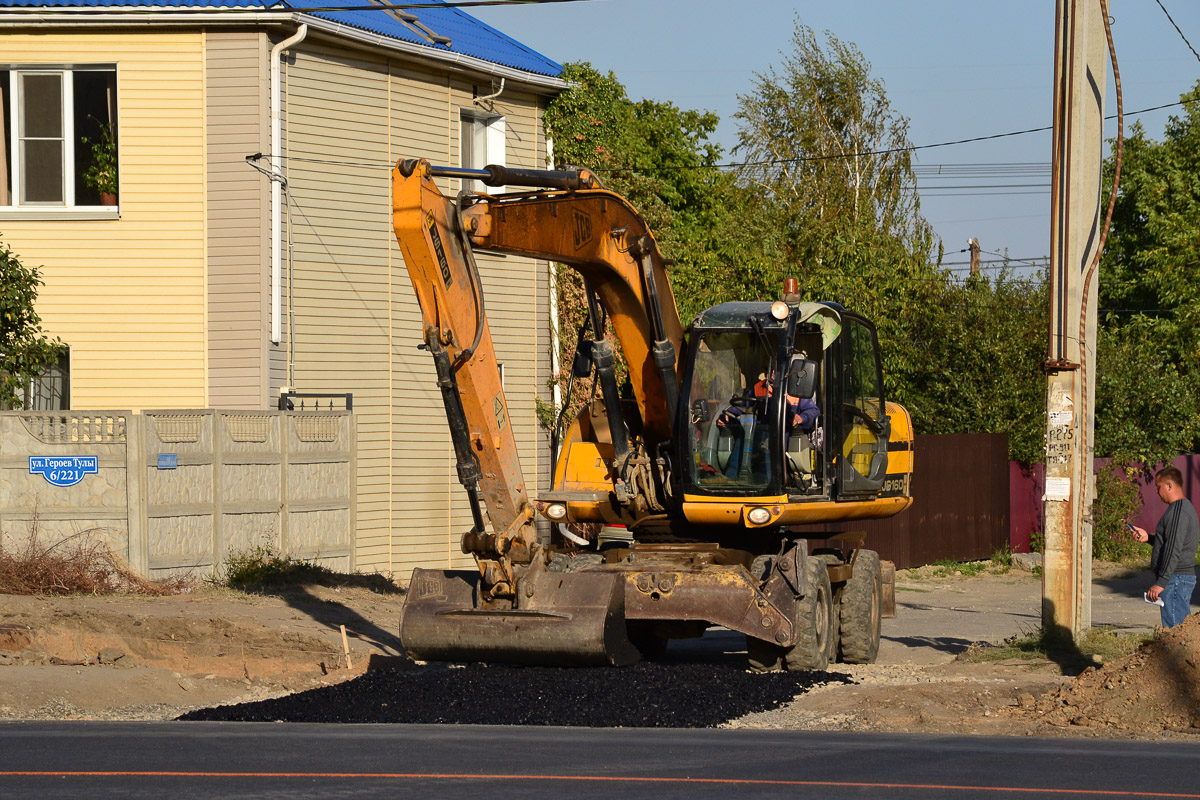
[{"x": 1080, "y": 73}]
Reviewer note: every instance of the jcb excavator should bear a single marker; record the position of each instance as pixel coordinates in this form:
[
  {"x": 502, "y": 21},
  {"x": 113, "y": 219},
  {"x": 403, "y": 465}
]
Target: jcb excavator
[{"x": 759, "y": 417}]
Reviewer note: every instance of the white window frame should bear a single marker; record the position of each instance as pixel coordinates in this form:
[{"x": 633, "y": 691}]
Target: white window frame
[
  {"x": 493, "y": 129},
  {"x": 67, "y": 209}
]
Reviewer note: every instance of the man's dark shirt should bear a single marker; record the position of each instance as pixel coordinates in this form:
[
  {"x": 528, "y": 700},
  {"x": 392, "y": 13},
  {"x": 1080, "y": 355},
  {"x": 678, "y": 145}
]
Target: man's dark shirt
[{"x": 1175, "y": 541}]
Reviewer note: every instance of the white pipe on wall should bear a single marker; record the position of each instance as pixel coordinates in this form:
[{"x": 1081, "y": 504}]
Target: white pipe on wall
[{"x": 276, "y": 186}]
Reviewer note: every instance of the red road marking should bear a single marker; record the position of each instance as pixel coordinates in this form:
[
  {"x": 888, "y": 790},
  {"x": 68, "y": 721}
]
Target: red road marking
[{"x": 585, "y": 778}]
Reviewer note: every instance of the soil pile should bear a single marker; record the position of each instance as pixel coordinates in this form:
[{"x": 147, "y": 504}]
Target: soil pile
[
  {"x": 1155, "y": 689},
  {"x": 643, "y": 695}
]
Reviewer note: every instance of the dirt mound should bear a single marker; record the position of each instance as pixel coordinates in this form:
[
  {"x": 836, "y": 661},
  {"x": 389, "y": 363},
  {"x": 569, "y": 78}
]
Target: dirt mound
[
  {"x": 185, "y": 645},
  {"x": 1155, "y": 689}
]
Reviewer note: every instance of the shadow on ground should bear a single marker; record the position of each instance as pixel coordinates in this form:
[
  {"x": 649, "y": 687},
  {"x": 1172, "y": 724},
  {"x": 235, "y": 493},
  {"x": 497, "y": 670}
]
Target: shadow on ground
[
  {"x": 332, "y": 614},
  {"x": 943, "y": 644}
]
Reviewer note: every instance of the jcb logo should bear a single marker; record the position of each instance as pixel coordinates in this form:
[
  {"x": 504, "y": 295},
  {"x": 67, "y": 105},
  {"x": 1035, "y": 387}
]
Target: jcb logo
[
  {"x": 583, "y": 229},
  {"x": 428, "y": 587}
]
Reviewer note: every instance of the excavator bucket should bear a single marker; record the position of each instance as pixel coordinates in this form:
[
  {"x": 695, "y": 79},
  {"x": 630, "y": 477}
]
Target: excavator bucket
[{"x": 564, "y": 619}]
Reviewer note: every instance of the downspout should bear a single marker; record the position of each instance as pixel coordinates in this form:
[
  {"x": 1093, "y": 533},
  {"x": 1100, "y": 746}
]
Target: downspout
[{"x": 276, "y": 186}]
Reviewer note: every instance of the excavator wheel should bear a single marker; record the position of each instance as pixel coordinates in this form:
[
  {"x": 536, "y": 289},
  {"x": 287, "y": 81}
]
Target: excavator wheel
[
  {"x": 861, "y": 610},
  {"x": 814, "y": 645},
  {"x": 833, "y": 557}
]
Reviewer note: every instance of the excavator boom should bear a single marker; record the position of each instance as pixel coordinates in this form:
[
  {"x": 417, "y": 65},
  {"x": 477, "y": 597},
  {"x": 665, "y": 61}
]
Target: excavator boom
[{"x": 514, "y": 609}]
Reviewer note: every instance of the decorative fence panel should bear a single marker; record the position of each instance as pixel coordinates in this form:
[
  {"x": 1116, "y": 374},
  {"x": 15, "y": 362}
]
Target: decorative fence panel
[{"x": 176, "y": 490}]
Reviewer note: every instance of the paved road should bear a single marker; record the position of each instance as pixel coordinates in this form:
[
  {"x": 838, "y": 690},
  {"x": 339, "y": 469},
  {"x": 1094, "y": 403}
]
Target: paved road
[{"x": 265, "y": 761}]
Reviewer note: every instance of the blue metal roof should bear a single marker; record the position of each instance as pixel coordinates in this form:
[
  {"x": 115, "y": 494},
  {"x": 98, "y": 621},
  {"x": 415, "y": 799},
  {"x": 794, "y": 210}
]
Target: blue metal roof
[{"x": 468, "y": 36}]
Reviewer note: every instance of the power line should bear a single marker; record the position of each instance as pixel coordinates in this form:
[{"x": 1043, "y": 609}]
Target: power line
[
  {"x": 1181, "y": 36},
  {"x": 733, "y": 164},
  {"x": 887, "y": 151}
]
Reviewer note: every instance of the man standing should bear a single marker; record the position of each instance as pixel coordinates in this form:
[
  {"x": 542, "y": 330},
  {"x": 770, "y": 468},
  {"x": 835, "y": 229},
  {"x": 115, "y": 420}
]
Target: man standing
[{"x": 1174, "y": 555}]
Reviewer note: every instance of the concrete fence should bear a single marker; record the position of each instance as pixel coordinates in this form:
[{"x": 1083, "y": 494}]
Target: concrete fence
[{"x": 177, "y": 490}]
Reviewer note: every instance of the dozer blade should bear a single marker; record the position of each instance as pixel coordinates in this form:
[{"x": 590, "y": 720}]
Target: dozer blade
[{"x": 568, "y": 619}]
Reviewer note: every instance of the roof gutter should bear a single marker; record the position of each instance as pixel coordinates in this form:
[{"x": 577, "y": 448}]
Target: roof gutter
[
  {"x": 280, "y": 169},
  {"x": 18, "y": 18}
]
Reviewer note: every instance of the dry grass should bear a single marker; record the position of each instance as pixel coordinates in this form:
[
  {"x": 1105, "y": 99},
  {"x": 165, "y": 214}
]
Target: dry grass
[
  {"x": 1097, "y": 645},
  {"x": 78, "y": 564}
]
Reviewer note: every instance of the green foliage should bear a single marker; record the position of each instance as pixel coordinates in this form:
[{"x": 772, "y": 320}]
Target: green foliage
[
  {"x": 820, "y": 139},
  {"x": 101, "y": 171},
  {"x": 263, "y": 566},
  {"x": 1037, "y": 544},
  {"x": 24, "y": 349},
  {"x": 1118, "y": 499},
  {"x": 816, "y": 199},
  {"x": 1148, "y": 388}
]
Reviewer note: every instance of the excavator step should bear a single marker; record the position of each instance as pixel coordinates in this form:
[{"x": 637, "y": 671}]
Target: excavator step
[{"x": 564, "y": 619}]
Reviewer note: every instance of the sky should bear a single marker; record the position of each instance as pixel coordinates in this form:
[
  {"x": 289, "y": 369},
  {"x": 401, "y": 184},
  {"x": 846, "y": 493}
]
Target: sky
[{"x": 956, "y": 69}]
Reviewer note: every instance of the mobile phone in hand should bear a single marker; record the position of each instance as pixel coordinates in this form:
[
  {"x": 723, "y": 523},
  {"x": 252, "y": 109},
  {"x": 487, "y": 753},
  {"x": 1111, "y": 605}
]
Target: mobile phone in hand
[{"x": 1131, "y": 530}]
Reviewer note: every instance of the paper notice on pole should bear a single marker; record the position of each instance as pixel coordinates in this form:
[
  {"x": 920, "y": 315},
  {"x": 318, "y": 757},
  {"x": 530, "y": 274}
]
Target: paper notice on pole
[
  {"x": 1058, "y": 418},
  {"x": 1057, "y": 489}
]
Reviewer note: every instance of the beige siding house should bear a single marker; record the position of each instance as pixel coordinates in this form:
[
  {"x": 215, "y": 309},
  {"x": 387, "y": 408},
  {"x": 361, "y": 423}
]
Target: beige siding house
[{"x": 168, "y": 290}]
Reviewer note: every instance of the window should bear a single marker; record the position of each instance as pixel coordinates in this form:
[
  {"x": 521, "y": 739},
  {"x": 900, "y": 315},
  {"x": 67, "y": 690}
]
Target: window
[
  {"x": 481, "y": 143},
  {"x": 60, "y": 137},
  {"x": 50, "y": 390}
]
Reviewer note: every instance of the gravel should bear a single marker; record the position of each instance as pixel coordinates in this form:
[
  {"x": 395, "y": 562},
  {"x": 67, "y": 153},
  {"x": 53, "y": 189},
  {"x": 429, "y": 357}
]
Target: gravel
[{"x": 651, "y": 695}]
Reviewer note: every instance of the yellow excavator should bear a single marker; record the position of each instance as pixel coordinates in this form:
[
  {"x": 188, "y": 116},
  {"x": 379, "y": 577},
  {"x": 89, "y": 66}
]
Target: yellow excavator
[{"x": 695, "y": 471}]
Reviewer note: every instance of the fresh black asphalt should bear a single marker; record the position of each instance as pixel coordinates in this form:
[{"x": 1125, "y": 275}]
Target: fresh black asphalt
[{"x": 645, "y": 695}]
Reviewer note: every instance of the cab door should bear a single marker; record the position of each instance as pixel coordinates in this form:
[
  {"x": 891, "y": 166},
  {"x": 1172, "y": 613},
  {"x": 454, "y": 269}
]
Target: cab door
[{"x": 860, "y": 452}]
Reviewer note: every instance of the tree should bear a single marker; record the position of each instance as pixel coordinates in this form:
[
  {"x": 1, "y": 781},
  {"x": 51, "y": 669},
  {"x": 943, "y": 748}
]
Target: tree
[
  {"x": 24, "y": 349},
  {"x": 653, "y": 153},
  {"x": 1148, "y": 355},
  {"x": 820, "y": 138}
]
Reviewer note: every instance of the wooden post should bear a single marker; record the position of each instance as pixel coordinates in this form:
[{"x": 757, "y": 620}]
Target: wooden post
[{"x": 888, "y": 574}]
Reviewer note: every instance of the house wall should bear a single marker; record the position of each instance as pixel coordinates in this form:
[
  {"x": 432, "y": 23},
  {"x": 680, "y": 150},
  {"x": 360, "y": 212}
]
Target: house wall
[
  {"x": 357, "y": 321},
  {"x": 166, "y": 310},
  {"x": 238, "y": 199},
  {"x": 128, "y": 294}
]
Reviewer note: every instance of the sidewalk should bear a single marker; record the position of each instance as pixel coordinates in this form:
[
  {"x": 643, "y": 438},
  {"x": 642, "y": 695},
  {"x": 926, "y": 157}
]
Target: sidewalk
[{"x": 937, "y": 618}]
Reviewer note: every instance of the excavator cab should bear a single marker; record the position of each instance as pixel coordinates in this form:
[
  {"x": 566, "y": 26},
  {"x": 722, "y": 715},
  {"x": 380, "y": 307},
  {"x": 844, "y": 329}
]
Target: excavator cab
[{"x": 783, "y": 400}]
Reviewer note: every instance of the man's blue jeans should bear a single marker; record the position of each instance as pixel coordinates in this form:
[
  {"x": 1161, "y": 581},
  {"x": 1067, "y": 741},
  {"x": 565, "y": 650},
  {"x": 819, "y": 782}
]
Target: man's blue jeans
[{"x": 1177, "y": 599}]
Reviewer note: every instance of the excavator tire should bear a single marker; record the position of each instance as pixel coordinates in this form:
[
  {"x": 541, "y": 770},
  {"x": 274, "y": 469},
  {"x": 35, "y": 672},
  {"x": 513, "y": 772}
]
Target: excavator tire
[
  {"x": 861, "y": 610},
  {"x": 834, "y": 557},
  {"x": 815, "y": 630}
]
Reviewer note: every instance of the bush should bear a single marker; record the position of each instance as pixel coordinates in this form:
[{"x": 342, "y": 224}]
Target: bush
[
  {"x": 263, "y": 566},
  {"x": 1118, "y": 499},
  {"x": 79, "y": 564}
]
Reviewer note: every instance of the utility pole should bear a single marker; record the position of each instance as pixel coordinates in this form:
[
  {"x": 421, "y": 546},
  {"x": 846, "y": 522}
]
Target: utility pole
[
  {"x": 1080, "y": 74},
  {"x": 973, "y": 244}
]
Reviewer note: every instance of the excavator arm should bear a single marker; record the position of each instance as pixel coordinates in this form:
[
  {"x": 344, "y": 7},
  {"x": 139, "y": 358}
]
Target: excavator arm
[{"x": 570, "y": 220}]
